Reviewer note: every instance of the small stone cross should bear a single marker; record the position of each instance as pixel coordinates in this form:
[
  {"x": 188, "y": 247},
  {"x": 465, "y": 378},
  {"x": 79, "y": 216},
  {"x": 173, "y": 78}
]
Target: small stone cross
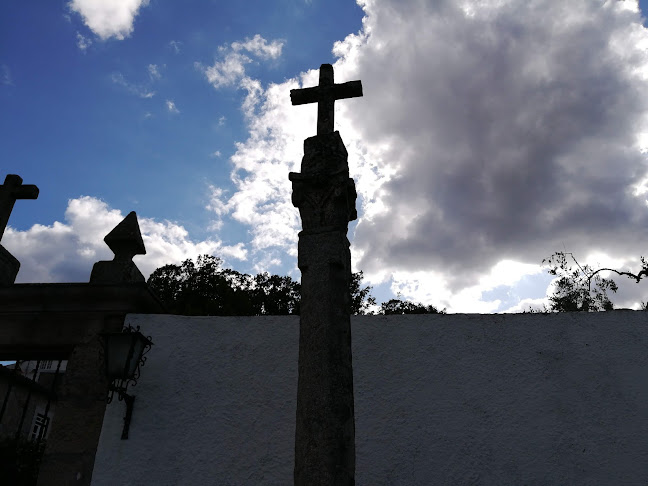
[
  {"x": 325, "y": 95},
  {"x": 11, "y": 190}
]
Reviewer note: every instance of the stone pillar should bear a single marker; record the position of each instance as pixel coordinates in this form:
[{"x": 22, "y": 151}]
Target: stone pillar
[
  {"x": 81, "y": 404},
  {"x": 325, "y": 426}
]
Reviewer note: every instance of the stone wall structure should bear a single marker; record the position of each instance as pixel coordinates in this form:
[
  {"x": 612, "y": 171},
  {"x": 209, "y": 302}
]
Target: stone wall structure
[{"x": 63, "y": 322}]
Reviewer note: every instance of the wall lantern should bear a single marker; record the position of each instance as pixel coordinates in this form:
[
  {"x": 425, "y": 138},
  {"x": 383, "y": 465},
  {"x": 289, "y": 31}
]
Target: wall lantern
[{"x": 124, "y": 354}]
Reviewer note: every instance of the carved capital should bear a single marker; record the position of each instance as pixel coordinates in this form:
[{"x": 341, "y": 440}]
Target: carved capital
[{"x": 323, "y": 191}]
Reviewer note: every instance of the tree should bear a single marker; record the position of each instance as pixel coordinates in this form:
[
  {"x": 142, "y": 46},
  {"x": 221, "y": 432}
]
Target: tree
[
  {"x": 399, "y": 306},
  {"x": 580, "y": 288},
  {"x": 203, "y": 288},
  {"x": 274, "y": 295},
  {"x": 361, "y": 298},
  {"x": 206, "y": 288}
]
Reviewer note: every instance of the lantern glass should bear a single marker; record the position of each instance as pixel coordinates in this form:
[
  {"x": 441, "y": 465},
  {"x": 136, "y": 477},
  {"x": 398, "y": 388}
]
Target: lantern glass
[{"x": 119, "y": 347}]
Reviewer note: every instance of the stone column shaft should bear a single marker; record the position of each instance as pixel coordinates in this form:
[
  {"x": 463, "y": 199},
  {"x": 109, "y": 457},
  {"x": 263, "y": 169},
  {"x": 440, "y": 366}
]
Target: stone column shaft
[{"x": 325, "y": 426}]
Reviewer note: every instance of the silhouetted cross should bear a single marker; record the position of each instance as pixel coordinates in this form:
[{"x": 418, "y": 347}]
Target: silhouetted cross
[
  {"x": 11, "y": 190},
  {"x": 325, "y": 95}
]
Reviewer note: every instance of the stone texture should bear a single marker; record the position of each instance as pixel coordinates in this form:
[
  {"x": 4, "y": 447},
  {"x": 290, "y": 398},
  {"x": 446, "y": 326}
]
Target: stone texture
[
  {"x": 324, "y": 192},
  {"x": 325, "y": 428},
  {"x": 325, "y": 196},
  {"x": 125, "y": 240},
  {"x": 9, "y": 266},
  {"x": 62, "y": 321}
]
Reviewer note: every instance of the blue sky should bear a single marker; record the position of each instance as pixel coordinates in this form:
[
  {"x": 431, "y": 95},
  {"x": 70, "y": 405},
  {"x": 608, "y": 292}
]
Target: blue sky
[
  {"x": 490, "y": 135},
  {"x": 78, "y": 121}
]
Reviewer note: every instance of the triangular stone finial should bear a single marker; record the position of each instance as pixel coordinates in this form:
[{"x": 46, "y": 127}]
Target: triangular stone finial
[{"x": 125, "y": 241}]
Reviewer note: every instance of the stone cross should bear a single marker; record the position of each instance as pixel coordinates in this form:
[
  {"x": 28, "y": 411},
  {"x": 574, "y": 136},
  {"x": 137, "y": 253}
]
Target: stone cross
[
  {"x": 326, "y": 197},
  {"x": 325, "y": 95},
  {"x": 11, "y": 190}
]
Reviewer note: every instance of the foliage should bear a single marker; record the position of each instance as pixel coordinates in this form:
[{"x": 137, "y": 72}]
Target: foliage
[
  {"x": 580, "y": 288},
  {"x": 361, "y": 298},
  {"x": 20, "y": 460},
  {"x": 275, "y": 296},
  {"x": 398, "y": 306},
  {"x": 206, "y": 288}
]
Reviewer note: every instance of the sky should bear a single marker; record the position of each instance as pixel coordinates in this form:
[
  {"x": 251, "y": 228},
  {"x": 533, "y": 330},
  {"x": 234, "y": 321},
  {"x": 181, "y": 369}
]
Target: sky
[{"x": 491, "y": 134}]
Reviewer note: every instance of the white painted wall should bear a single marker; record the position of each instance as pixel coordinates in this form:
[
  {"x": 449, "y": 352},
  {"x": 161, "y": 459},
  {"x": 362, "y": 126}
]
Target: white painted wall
[{"x": 443, "y": 399}]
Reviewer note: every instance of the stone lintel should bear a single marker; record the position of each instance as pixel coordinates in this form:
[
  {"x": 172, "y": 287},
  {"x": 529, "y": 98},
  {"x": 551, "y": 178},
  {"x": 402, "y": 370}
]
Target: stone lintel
[
  {"x": 9, "y": 266},
  {"x": 46, "y": 321},
  {"x": 135, "y": 297}
]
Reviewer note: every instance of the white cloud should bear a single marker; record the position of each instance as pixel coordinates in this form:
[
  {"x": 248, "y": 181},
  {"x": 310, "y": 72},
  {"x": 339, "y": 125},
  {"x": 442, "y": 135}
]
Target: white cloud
[
  {"x": 500, "y": 151},
  {"x": 171, "y": 107},
  {"x": 260, "y": 47},
  {"x": 154, "y": 72},
  {"x": 83, "y": 42},
  {"x": 216, "y": 154},
  {"x": 500, "y": 131},
  {"x": 175, "y": 45},
  {"x": 136, "y": 89},
  {"x": 5, "y": 75},
  {"x": 108, "y": 18},
  {"x": 65, "y": 252},
  {"x": 226, "y": 72},
  {"x": 217, "y": 205},
  {"x": 231, "y": 70},
  {"x": 260, "y": 173},
  {"x": 529, "y": 305}
]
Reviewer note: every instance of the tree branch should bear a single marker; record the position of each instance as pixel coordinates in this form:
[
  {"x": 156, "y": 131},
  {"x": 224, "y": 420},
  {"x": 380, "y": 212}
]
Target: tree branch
[{"x": 637, "y": 277}]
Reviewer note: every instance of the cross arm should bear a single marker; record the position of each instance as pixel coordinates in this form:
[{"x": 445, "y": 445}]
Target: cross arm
[
  {"x": 350, "y": 89},
  {"x": 305, "y": 95},
  {"x": 26, "y": 191}
]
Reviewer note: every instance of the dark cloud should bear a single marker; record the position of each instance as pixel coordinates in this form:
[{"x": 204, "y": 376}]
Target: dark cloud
[{"x": 513, "y": 129}]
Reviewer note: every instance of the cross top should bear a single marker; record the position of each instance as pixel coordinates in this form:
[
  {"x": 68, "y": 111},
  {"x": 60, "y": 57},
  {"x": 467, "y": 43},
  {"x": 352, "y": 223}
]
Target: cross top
[
  {"x": 11, "y": 190},
  {"x": 325, "y": 95}
]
